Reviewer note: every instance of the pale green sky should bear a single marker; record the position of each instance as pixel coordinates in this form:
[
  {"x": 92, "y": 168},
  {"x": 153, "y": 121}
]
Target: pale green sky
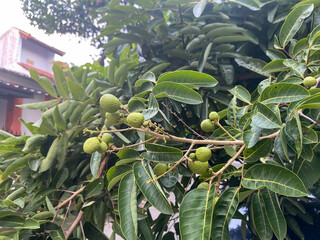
[{"x": 11, "y": 15}]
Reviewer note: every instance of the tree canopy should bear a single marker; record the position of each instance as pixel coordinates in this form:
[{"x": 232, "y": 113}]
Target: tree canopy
[{"x": 207, "y": 112}]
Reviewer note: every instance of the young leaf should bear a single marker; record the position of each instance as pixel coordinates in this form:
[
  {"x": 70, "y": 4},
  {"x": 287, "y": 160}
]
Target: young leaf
[
  {"x": 293, "y": 23},
  {"x": 204, "y": 56},
  {"x": 52, "y": 153},
  {"x": 223, "y": 212},
  {"x": 276, "y": 178},
  {"x": 60, "y": 123},
  {"x": 199, "y": 7},
  {"x": 128, "y": 206},
  {"x": 152, "y": 191},
  {"x": 45, "y": 83},
  {"x": 77, "y": 91},
  {"x": 195, "y": 214},
  {"x": 60, "y": 80},
  {"x": 95, "y": 161},
  {"x": 274, "y": 213},
  {"x": 40, "y": 105}
]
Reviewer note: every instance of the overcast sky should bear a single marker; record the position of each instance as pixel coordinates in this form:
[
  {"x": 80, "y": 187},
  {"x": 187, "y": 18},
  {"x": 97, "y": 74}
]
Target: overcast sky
[{"x": 77, "y": 50}]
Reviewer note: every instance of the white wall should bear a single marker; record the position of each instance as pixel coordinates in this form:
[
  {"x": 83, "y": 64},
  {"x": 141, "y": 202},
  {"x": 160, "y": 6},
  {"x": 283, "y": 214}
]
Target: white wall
[
  {"x": 30, "y": 115},
  {"x": 3, "y": 111}
]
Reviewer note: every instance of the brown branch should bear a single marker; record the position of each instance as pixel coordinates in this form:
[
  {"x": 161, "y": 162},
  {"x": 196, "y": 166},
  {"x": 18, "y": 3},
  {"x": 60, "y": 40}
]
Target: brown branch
[{"x": 134, "y": 145}]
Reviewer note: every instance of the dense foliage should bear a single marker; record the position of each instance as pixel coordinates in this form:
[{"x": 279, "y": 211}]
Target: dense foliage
[{"x": 263, "y": 165}]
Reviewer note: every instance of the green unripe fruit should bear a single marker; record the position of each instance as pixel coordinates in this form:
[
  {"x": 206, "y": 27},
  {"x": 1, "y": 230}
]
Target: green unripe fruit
[
  {"x": 309, "y": 82},
  {"x": 109, "y": 103},
  {"x": 103, "y": 147},
  {"x": 91, "y": 145},
  {"x": 198, "y": 167},
  {"x": 203, "y": 154},
  {"x": 107, "y": 138},
  {"x": 113, "y": 118},
  {"x": 135, "y": 119},
  {"x": 207, "y": 126},
  {"x": 204, "y": 185},
  {"x": 160, "y": 168},
  {"x": 193, "y": 156},
  {"x": 214, "y": 116}
]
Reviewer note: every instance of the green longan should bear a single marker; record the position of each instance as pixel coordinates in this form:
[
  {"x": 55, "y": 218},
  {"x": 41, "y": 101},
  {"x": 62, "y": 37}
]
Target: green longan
[
  {"x": 109, "y": 103},
  {"x": 107, "y": 138},
  {"x": 160, "y": 169},
  {"x": 214, "y": 116},
  {"x": 203, "y": 154},
  {"x": 113, "y": 118},
  {"x": 91, "y": 145},
  {"x": 198, "y": 167},
  {"x": 135, "y": 119},
  {"x": 309, "y": 82},
  {"x": 207, "y": 126}
]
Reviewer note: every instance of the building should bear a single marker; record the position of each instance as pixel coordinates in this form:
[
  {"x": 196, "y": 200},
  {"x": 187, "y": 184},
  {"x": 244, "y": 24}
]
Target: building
[{"x": 20, "y": 52}]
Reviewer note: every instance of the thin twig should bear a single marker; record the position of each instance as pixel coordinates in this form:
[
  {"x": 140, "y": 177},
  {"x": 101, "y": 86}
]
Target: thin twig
[
  {"x": 75, "y": 223},
  {"x": 82, "y": 230},
  {"x": 69, "y": 198},
  {"x": 220, "y": 126},
  {"x": 228, "y": 163},
  {"x": 180, "y": 120},
  {"x": 134, "y": 145},
  {"x": 218, "y": 183}
]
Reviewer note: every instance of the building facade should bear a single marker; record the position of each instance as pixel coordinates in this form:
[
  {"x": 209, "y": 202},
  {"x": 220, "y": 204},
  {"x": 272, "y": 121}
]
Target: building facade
[{"x": 20, "y": 52}]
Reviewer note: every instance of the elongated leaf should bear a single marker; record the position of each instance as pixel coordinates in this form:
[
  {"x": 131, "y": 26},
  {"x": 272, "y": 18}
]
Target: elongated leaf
[
  {"x": 312, "y": 102},
  {"x": 253, "y": 64},
  {"x": 152, "y": 191},
  {"x": 160, "y": 153},
  {"x": 128, "y": 206},
  {"x": 227, "y": 71},
  {"x": 177, "y": 92},
  {"x": 153, "y": 108},
  {"x": 259, "y": 150},
  {"x": 204, "y": 56},
  {"x": 39, "y": 105},
  {"x": 59, "y": 122},
  {"x": 265, "y": 118},
  {"x": 283, "y": 93},
  {"x": 223, "y": 212},
  {"x": 250, "y": 138},
  {"x": 259, "y": 217},
  {"x": 95, "y": 161},
  {"x": 189, "y": 77},
  {"x": 77, "y": 91},
  {"x": 195, "y": 214},
  {"x": 297, "y": 67},
  {"x": 15, "y": 165},
  {"x": 60, "y": 80},
  {"x": 293, "y": 23},
  {"x": 274, "y": 66},
  {"x": 52, "y": 153},
  {"x": 251, "y": 4},
  {"x": 232, "y": 38},
  {"x": 115, "y": 174},
  {"x": 241, "y": 93},
  {"x": 45, "y": 83},
  {"x": 57, "y": 234},
  {"x": 276, "y": 178},
  {"x": 93, "y": 188},
  {"x": 274, "y": 213},
  {"x": 307, "y": 171},
  {"x": 199, "y": 7},
  {"x": 63, "y": 150}
]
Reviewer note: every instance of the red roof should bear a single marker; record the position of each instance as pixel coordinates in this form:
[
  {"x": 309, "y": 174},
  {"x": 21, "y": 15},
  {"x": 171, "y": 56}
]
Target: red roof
[
  {"x": 27, "y": 36},
  {"x": 41, "y": 72}
]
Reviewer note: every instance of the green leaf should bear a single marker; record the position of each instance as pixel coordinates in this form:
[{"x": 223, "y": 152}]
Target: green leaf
[
  {"x": 152, "y": 191},
  {"x": 195, "y": 214},
  {"x": 153, "y": 108},
  {"x": 251, "y": 4},
  {"x": 307, "y": 171},
  {"x": 265, "y": 118},
  {"x": 259, "y": 218},
  {"x": 40, "y": 105},
  {"x": 276, "y": 178},
  {"x": 93, "y": 232},
  {"x": 59, "y": 122},
  {"x": 250, "y": 138},
  {"x": 44, "y": 82},
  {"x": 253, "y": 64},
  {"x": 204, "y": 56},
  {"x": 241, "y": 93},
  {"x": 115, "y": 174},
  {"x": 297, "y": 67},
  {"x": 232, "y": 38},
  {"x": 223, "y": 212},
  {"x": 274, "y": 213},
  {"x": 95, "y": 161},
  {"x": 46, "y": 127},
  {"x": 199, "y": 7},
  {"x": 177, "y": 92},
  {"x": 60, "y": 80},
  {"x": 161, "y": 153},
  {"x": 189, "y": 77},
  {"x": 63, "y": 150},
  {"x": 11, "y": 221},
  {"x": 128, "y": 206},
  {"x": 15, "y": 165},
  {"x": 274, "y": 66},
  {"x": 30, "y": 224},
  {"x": 77, "y": 91},
  {"x": 227, "y": 71},
  {"x": 57, "y": 234},
  {"x": 52, "y": 153},
  {"x": 93, "y": 188},
  {"x": 60, "y": 177},
  {"x": 311, "y": 102},
  {"x": 283, "y": 93},
  {"x": 293, "y": 23},
  {"x": 259, "y": 150}
]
